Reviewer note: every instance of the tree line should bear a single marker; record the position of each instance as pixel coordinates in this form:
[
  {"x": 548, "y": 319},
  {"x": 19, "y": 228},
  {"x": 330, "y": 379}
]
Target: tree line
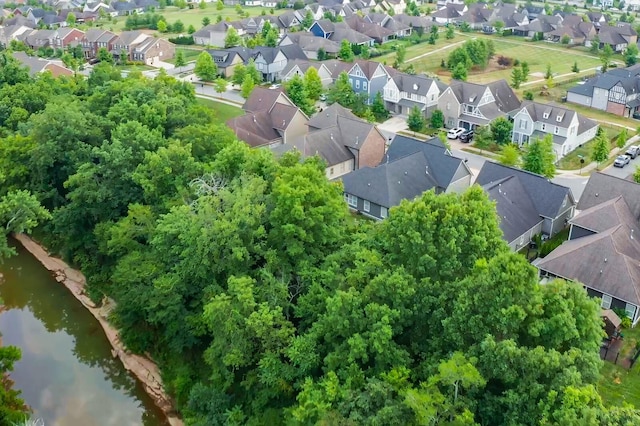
[{"x": 262, "y": 298}]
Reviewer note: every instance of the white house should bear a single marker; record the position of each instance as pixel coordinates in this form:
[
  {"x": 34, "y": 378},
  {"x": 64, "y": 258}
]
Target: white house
[
  {"x": 404, "y": 91},
  {"x": 568, "y": 128}
]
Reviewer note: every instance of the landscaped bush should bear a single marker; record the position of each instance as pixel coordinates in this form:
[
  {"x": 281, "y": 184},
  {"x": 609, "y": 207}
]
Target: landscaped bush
[{"x": 182, "y": 40}]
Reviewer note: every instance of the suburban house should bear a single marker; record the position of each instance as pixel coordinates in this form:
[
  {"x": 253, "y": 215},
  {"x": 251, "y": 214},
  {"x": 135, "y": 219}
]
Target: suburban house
[
  {"x": 95, "y": 39},
  {"x": 410, "y": 168},
  {"x": 542, "y": 25},
  {"x": 227, "y": 60},
  {"x": 338, "y": 31},
  {"x": 618, "y": 37},
  {"x": 214, "y": 34},
  {"x": 364, "y": 26},
  {"x": 603, "y": 251},
  {"x": 449, "y": 13},
  {"x": 13, "y": 32},
  {"x": 369, "y": 77},
  {"x": 270, "y": 119},
  {"x": 568, "y": 128},
  {"x": 527, "y": 204},
  {"x": 422, "y": 24},
  {"x": 470, "y": 105},
  {"x": 299, "y": 67},
  {"x": 615, "y": 91},
  {"x": 344, "y": 141},
  {"x": 397, "y": 27},
  {"x": 405, "y": 91},
  {"x": 39, "y": 65},
  {"x": 573, "y": 29},
  {"x": 270, "y": 61},
  {"x": 398, "y": 6},
  {"x": 140, "y": 47},
  {"x": 310, "y": 44}
]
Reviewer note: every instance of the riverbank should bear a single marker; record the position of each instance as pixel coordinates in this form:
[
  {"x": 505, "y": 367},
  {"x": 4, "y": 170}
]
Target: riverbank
[{"x": 142, "y": 368}]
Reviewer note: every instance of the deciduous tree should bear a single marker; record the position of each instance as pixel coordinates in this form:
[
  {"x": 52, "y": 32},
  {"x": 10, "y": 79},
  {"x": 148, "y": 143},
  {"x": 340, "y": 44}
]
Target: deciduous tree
[
  {"x": 313, "y": 83},
  {"x": 346, "y": 53},
  {"x": 232, "y": 38},
  {"x": 415, "y": 120},
  {"x": 501, "y": 129},
  {"x": 600, "y": 149},
  {"x": 205, "y": 69},
  {"x": 437, "y": 119},
  {"x": 539, "y": 157},
  {"x": 509, "y": 155}
]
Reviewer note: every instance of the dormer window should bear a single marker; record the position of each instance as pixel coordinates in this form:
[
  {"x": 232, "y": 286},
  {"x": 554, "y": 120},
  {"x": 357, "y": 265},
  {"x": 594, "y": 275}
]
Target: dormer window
[{"x": 545, "y": 115}]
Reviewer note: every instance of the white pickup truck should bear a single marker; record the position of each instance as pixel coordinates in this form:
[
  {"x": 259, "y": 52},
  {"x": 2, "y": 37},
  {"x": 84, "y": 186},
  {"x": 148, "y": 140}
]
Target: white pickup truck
[{"x": 633, "y": 151}]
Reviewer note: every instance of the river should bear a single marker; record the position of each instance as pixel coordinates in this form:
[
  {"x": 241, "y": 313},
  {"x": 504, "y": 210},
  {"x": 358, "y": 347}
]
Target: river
[{"x": 67, "y": 374}]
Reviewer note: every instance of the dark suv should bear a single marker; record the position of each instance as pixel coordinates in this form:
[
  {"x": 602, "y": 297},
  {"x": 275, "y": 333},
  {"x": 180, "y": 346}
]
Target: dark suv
[{"x": 466, "y": 136}]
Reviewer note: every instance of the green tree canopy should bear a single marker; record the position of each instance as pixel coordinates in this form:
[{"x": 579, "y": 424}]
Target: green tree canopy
[
  {"x": 539, "y": 157},
  {"x": 205, "y": 69}
]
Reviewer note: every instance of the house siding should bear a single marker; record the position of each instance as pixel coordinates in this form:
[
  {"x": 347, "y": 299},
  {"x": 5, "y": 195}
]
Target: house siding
[
  {"x": 579, "y": 99},
  {"x": 525, "y": 239},
  {"x": 374, "y": 210},
  {"x": 372, "y": 150},
  {"x": 452, "y": 113}
]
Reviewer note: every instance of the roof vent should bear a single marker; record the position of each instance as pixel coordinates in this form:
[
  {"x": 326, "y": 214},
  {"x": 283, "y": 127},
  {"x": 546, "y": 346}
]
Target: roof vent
[
  {"x": 331, "y": 136},
  {"x": 605, "y": 260},
  {"x": 406, "y": 173},
  {"x": 415, "y": 86}
]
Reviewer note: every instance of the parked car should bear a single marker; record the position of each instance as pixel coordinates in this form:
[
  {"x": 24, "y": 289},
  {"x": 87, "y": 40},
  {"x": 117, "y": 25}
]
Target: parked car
[
  {"x": 455, "y": 133},
  {"x": 466, "y": 136},
  {"x": 633, "y": 151},
  {"x": 274, "y": 86},
  {"x": 621, "y": 161}
]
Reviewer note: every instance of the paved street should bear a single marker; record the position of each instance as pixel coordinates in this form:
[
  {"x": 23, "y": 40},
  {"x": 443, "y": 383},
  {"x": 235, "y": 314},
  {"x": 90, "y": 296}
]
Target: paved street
[{"x": 625, "y": 171}]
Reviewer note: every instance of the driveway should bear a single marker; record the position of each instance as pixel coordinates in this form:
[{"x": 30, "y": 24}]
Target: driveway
[{"x": 392, "y": 126}]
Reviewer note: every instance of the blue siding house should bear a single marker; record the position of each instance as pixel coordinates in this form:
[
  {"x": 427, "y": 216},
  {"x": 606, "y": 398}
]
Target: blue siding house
[
  {"x": 369, "y": 77},
  {"x": 323, "y": 28}
]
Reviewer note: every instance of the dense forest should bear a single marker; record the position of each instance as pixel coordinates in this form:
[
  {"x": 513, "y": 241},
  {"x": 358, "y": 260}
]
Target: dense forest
[{"x": 262, "y": 298}]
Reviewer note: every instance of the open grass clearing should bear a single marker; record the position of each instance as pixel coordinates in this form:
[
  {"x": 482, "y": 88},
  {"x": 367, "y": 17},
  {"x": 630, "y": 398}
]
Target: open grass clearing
[
  {"x": 191, "y": 53},
  {"x": 538, "y": 55},
  {"x": 223, "y": 111},
  {"x": 190, "y": 16}
]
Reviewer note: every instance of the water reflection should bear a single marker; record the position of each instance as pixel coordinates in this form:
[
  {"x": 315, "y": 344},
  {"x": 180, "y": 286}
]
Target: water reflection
[{"x": 67, "y": 374}]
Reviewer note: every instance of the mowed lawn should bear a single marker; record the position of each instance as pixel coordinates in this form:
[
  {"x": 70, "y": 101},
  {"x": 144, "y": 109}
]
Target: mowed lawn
[
  {"x": 223, "y": 111},
  {"x": 191, "y": 16},
  {"x": 538, "y": 55},
  {"x": 617, "y": 384}
]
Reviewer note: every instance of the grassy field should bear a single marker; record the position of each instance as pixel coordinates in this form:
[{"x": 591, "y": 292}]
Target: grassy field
[
  {"x": 223, "y": 111},
  {"x": 190, "y": 53},
  {"x": 616, "y": 384},
  {"x": 191, "y": 16}
]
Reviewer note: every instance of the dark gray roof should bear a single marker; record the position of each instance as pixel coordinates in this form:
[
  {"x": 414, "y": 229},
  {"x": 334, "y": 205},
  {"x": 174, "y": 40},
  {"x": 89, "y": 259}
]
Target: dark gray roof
[
  {"x": 506, "y": 99},
  {"x": 327, "y": 143},
  {"x": 417, "y": 84},
  {"x": 449, "y": 11},
  {"x": 390, "y": 183},
  {"x": 548, "y": 197},
  {"x": 608, "y": 261},
  {"x": 603, "y": 216},
  {"x": 442, "y": 165},
  {"x": 515, "y": 208},
  {"x": 601, "y": 187}
]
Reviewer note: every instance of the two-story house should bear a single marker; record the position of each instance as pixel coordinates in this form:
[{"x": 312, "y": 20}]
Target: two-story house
[
  {"x": 405, "y": 91},
  {"x": 470, "y": 105},
  {"x": 95, "y": 39},
  {"x": 227, "y": 60},
  {"x": 369, "y": 77},
  {"x": 568, "y": 128},
  {"x": 271, "y": 119},
  {"x": 409, "y": 168},
  {"x": 615, "y": 91},
  {"x": 339, "y": 31},
  {"x": 214, "y": 34},
  {"x": 270, "y": 61},
  {"x": 449, "y": 13},
  {"x": 299, "y": 67}
]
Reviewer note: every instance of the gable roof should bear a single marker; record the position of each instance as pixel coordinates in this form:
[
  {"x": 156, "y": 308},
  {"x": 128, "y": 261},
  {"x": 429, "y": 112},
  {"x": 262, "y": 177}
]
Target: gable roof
[
  {"x": 390, "y": 183},
  {"x": 601, "y": 187},
  {"x": 263, "y": 99},
  {"x": 417, "y": 84},
  {"x": 548, "y": 198},
  {"x": 603, "y": 216},
  {"x": 515, "y": 208},
  {"x": 329, "y": 116},
  {"x": 549, "y": 114},
  {"x": 443, "y": 170},
  {"x": 256, "y": 129}
]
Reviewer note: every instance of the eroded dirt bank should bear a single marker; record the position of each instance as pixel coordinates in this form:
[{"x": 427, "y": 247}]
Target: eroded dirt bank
[{"x": 144, "y": 369}]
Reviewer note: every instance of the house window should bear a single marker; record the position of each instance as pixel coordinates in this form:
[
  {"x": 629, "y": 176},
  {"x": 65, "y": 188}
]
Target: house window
[
  {"x": 352, "y": 200},
  {"x": 630, "y": 310},
  {"x": 364, "y": 85},
  {"x": 544, "y": 127},
  {"x": 331, "y": 171},
  {"x": 523, "y": 124},
  {"x": 556, "y": 130},
  {"x": 383, "y": 212},
  {"x": 367, "y": 206},
  {"x": 357, "y": 84},
  {"x": 448, "y": 106},
  {"x": 606, "y": 301}
]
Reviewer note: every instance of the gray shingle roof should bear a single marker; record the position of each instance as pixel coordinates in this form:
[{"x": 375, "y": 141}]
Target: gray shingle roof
[
  {"x": 515, "y": 208},
  {"x": 547, "y": 197},
  {"x": 388, "y": 184},
  {"x": 601, "y": 187},
  {"x": 417, "y": 84},
  {"x": 603, "y": 216},
  {"x": 442, "y": 165}
]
